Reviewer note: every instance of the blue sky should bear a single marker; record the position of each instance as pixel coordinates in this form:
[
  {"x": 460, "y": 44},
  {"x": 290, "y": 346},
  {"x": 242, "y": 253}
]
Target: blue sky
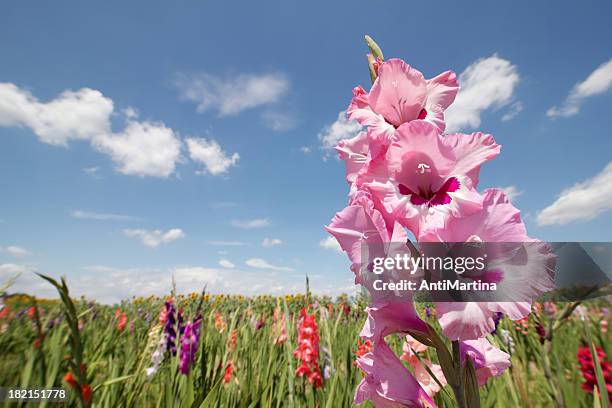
[{"x": 240, "y": 98}]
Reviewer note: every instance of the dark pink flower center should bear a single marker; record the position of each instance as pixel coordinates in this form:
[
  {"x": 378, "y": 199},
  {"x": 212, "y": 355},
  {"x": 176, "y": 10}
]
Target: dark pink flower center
[
  {"x": 422, "y": 114},
  {"x": 430, "y": 197}
]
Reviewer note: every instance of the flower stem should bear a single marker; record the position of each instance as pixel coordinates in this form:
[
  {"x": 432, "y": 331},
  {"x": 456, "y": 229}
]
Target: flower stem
[{"x": 459, "y": 387}]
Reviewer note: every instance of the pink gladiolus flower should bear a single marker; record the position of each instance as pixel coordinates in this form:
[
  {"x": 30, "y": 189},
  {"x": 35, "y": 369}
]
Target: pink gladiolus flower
[
  {"x": 521, "y": 276},
  {"x": 388, "y": 318},
  {"x": 387, "y": 383},
  {"x": 425, "y": 177},
  {"x": 411, "y": 348},
  {"x": 362, "y": 225},
  {"x": 401, "y": 94},
  {"x": 488, "y": 361}
]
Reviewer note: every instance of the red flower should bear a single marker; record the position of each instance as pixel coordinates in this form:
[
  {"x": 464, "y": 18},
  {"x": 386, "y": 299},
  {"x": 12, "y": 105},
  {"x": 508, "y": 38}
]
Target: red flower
[
  {"x": 307, "y": 350},
  {"x": 69, "y": 378},
  {"x": 587, "y": 367},
  {"x": 86, "y": 393},
  {"x": 4, "y": 313},
  {"x": 229, "y": 369},
  {"x": 121, "y": 319}
]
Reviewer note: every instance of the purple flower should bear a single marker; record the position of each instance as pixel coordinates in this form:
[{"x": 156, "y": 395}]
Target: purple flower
[
  {"x": 496, "y": 319},
  {"x": 169, "y": 330},
  {"x": 189, "y": 344}
]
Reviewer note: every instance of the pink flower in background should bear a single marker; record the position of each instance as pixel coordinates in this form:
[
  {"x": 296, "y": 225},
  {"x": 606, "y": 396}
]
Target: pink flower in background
[
  {"x": 387, "y": 383},
  {"x": 401, "y": 94},
  {"x": 522, "y": 271},
  {"x": 429, "y": 177},
  {"x": 411, "y": 348},
  {"x": 488, "y": 361}
]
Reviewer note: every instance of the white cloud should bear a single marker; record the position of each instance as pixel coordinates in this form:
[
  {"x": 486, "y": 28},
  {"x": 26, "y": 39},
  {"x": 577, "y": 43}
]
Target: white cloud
[
  {"x": 225, "y": 263},
  {"x": 515, "y": 109},
  {"x": 583, "y": 201},
  {"x": 110, "y": 285},
  {"x": 130, "y": 112},
  {"x": 210, "y": 154},
  {"x": 598, "y": 82},
  {"x": 81, "y": 114},
  {"x": 487, "y": 83},
  {"x": 270, "y": 242},
  {"x": 306, "y": 149},
  {"x": 250, "y": 224},
  {"x": 226, "y": 243},
  {"x": 330, "y": 243},
  {"x": 154, "y": 238},
  {"x": 88, "y": 215},
  {"x": 259, "y": 263},
  {"x": 232, "y": 95},
  {"x": 342, "y": 128},
  {"x": 141, "y": 148},
  {"x": 15, "y": 251},
  {"x": 511, "y": 192}
]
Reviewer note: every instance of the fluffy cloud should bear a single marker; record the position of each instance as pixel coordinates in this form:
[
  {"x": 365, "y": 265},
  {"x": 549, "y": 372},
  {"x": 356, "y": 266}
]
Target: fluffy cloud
[
  {"x": 270, "y": 242},
  {"x": 142, "y": 149},
  {"x": 330, "y": 243},
  {"x": 342, "y": 128},
  {"x": 154, "y": 238},
  {"x": 259, "y": 263},
  {"x": 225, "y": 263},
  {"x": 487, "y": 83},
  {"x": 598, "y": 82},
  {"x": 583, "y": 201},
  {"x": 251, "y": 224},
  {"x": 511, "y": 192},
  {"x": 81, "y": 114},
  {"x": 210, "y": 154},
  {"x": 88, "y": 215},
  {"x": 232, "y": 95},
  {"x": 15, "y": 251}
]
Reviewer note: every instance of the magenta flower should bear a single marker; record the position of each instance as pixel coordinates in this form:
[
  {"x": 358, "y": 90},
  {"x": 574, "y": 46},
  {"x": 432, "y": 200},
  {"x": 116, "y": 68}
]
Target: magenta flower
[
  {"x": 522, "y": 271},
  {"x": 401, "y": 94},
  {"x": 387, "y": 383},
  {"x": 426, "y": 177},
  {"x": 488, "y": 361},
  {"x": 189, "y": 344}
]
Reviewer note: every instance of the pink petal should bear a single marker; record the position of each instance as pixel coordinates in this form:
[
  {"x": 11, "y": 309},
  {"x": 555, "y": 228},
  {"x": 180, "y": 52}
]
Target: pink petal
[
  {"x": 389, "y": 318},
  {"x": 399, "y": 92}
]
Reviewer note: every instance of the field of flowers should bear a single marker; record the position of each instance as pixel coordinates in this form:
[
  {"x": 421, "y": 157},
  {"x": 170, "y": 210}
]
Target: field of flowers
[{"x": 207, "y": 350}]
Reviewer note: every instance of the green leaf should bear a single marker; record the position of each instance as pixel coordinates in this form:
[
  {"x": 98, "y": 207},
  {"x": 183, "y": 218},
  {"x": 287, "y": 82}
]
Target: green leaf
[{"x": 472, "y": 394}]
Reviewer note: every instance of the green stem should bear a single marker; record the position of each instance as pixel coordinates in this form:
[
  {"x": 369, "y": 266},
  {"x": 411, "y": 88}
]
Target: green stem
[{"x": 459, "y": 387}]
